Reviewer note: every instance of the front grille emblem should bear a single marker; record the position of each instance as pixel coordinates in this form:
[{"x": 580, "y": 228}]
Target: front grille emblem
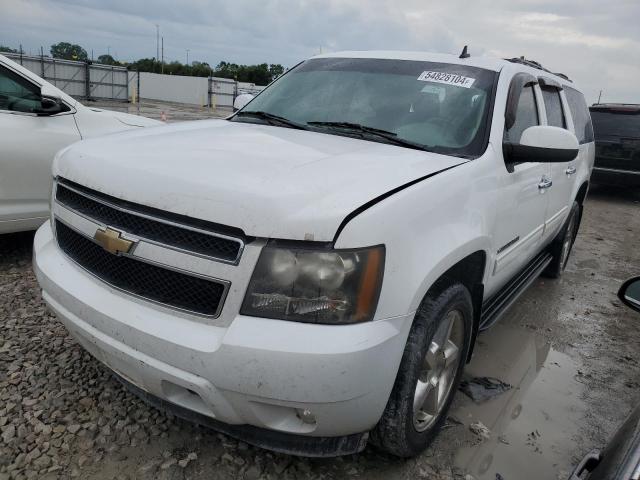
[{"x": 111, "y": 240}]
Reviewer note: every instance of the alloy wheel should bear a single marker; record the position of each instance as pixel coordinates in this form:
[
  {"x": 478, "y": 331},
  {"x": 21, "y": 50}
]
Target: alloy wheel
[{"x": 438, "y": 372}]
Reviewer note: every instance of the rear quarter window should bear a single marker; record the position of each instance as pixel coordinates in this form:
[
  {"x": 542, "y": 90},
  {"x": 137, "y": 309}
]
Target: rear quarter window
[{"x": 580, "y": 115}]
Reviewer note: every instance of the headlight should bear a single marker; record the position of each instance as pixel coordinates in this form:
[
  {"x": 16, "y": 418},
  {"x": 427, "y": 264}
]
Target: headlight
[{"x": 315, "y": 286}]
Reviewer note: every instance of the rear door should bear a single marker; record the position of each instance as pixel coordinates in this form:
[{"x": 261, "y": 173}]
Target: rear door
[
  {"x": 563, "y": 175},
  {"x": 28, "y": 142}
]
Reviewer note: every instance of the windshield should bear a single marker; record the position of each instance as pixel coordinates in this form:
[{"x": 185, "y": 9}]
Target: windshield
[
  {"x": 615, "y": 124},
  {"x": 436, "y": 106}
]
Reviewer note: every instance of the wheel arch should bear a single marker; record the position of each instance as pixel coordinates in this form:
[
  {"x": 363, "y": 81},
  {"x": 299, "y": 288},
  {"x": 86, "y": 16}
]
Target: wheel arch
[
  {"x": 581, "y": 196},
  {"x": 470, "y": 272}
]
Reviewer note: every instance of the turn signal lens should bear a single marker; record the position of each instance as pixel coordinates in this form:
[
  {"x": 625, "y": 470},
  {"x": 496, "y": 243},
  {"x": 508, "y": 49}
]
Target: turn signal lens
[{"x": 315, "y": 286}]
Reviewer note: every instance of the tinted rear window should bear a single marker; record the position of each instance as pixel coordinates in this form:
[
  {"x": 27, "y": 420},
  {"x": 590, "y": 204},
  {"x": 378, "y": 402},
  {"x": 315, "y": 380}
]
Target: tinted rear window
[
  {"x": 553, "y": 106},
  {"x": 580, "y": 115},
  {"x": 615, "y": 124}
]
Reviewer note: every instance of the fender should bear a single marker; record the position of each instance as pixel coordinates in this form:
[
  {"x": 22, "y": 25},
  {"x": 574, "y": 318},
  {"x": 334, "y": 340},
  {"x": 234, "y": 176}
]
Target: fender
[
  {"x": 482, "y": 243},
  {"x": 428, "y": 227},
  {"x": 380, "y": 198}
]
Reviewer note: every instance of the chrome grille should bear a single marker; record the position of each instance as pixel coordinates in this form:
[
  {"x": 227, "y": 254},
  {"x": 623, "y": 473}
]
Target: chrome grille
[
  {"x": 152, "y": 282},
  {"x": 149, "y": 224}
]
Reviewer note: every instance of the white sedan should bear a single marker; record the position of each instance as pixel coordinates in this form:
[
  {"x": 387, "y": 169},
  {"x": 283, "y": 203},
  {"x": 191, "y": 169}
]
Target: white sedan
[{"x": 37, "y": 120}]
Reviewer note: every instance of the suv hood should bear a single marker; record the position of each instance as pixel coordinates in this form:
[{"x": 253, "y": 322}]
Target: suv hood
[{"x": 269, "y": 181}]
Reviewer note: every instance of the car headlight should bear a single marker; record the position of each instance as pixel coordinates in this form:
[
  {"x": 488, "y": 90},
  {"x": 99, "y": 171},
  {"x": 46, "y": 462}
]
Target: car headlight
[{"x": 315, "y": 285}]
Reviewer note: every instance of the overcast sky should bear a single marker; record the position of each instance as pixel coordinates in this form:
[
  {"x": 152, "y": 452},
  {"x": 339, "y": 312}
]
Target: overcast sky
[{"x": 595, "y": 42}]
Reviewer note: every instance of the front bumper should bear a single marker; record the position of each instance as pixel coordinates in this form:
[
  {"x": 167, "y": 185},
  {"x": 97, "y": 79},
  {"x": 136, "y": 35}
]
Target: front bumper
[
  {"x": 281, "y": 442},
  {"x": 254, "y": 372}
]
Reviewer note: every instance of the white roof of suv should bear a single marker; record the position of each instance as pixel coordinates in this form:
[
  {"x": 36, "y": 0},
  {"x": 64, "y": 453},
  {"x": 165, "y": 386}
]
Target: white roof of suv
[{"x": 489, "y": 63}]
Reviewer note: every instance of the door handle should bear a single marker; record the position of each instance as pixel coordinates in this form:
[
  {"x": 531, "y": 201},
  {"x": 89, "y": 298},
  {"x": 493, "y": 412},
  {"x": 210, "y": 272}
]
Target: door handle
[
  {"x": 570, "y": 170},
  {"x": 545, "y": 183}
]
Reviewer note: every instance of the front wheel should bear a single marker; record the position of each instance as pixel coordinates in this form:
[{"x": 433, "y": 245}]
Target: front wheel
[{"x": 429, "y": 373}]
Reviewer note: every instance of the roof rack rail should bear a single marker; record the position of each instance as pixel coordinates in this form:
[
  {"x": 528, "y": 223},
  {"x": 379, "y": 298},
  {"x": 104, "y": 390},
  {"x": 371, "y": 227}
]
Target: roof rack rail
[{"x": 536, "y": 65}]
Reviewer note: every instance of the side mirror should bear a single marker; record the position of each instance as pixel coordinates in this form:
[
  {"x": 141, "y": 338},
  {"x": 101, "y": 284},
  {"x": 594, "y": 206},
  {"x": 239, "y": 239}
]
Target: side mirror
[
  {"x": 630, "y": 293},
  {"x": 241, "y": 100},
  {"x": 50, "y": 93},
  {"x": 51, "y": 100},
  {"x": 542, "y": 144}
]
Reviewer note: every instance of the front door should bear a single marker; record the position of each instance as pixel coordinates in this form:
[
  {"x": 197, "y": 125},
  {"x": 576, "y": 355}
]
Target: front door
[
  {"x": 28, "y": 143},
  {"x": 521, "y": 208}
]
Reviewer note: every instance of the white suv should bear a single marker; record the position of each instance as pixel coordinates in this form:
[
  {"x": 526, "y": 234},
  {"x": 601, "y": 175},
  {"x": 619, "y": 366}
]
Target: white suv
[{"x": 312, "y": 272}]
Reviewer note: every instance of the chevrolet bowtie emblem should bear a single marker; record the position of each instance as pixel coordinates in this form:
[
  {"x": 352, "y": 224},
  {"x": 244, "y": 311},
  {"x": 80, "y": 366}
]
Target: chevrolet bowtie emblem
[{"x": 112, "y": 241}]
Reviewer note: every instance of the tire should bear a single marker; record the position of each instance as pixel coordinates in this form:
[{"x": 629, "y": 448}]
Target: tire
[
  {"x": 563, "y": 243},
  {"x": 402, "y": 430}
]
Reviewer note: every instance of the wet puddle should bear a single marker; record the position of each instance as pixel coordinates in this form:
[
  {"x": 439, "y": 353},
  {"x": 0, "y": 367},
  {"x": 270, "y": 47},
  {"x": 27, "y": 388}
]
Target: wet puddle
[{"x": 534, "y": 425}]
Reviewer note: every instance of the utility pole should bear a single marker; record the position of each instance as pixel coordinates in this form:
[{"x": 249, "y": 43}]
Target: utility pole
[
  {"x": 187, "y": 56},
  {"x": 108, "y": 50},
  {"x": 162, "y": 57},
  {"x": 157, "y": 42},
  {"x": 42, "y": 61}
]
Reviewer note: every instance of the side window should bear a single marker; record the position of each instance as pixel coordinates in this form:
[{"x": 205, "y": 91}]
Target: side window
[
  {"x": 18, "y": 94},
  {"x": 580, "y": 115},
  {"x": 526, "y": 115},
  {"x": 553, "y": 106}
]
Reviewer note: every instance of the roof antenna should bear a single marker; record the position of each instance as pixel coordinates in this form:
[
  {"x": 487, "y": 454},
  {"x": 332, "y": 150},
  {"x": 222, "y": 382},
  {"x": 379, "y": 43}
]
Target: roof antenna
[{"x": 464, "y": 53}]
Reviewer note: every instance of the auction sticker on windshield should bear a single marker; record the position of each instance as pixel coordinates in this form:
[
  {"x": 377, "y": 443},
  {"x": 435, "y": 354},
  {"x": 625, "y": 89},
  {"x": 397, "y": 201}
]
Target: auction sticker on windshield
[{"x": 447, "y": 79}]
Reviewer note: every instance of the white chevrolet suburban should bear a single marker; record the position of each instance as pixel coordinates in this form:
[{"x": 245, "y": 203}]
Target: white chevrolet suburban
[{"x": 311, "y": 273}]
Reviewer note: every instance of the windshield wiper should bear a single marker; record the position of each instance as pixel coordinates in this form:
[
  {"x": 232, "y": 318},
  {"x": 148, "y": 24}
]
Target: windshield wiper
[
  {"x": 272, "y": 119},
  {"x": 377, "y": 132}
]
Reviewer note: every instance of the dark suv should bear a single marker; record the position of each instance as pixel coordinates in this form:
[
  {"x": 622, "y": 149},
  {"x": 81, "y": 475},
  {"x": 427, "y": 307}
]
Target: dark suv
[{"x": 617, "y": 132}]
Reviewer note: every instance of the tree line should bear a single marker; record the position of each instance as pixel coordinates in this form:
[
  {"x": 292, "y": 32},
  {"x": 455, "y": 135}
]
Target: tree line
[{"x": 260, "y": 74}]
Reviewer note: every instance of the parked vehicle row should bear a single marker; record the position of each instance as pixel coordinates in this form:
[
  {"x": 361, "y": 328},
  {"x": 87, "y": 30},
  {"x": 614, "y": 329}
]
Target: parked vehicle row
[{"x": 311, "y": 273}]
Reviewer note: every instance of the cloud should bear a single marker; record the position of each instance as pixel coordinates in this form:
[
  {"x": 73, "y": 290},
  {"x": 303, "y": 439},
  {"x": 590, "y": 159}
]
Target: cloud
[{"x": 596, "y": 43}]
